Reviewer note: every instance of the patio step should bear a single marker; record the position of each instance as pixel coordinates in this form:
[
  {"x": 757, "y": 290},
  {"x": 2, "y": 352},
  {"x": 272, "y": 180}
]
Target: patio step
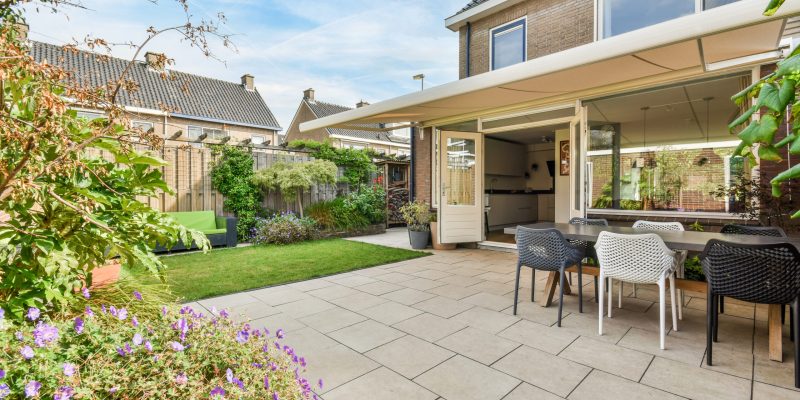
[{"x": 498, "y": 246}]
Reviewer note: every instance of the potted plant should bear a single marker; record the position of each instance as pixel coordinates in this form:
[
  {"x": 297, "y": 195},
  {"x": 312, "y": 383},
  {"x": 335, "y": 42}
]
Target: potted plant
[
  {"x": 417, "y": 216},
  {"x": 435, "y": 236}
]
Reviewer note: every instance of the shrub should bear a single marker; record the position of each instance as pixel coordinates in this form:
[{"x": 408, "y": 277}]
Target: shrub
[
  {"x": 292, "y": 178},
  {"x": 417, "y": 216},
  {"x": 323, "y": 214},
  {"x": 232, "y": 176},
  {"x": 357, "y": 164},
  {"x": 109, "y": 352},
  {"x": 283, "y": 229},
  {"x": 345, "y": 216},
  {"x": 369, "y": 201}
]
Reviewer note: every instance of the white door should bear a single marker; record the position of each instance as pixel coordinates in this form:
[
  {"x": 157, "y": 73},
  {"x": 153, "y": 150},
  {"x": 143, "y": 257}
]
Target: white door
[
  {"x": 577, "y": 164},
  {"x": 461, "y": 187}
]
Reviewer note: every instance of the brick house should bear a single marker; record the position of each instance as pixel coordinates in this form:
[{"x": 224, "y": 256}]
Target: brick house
[
  {"x": 381, "y": 138},
  {"x": 185, "y": 108},
  {"x": 573, "y": 108}
]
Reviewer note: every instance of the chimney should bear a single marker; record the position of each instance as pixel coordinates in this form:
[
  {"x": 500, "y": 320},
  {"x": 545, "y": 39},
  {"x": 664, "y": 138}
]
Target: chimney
[
  {"x": 155, "y": 61},
  {"x": 248, "y": 82},
  {"x": 361, "y": 103},
  {"x": 22, "y": 31},
  {"x": 308, "y": 94}
]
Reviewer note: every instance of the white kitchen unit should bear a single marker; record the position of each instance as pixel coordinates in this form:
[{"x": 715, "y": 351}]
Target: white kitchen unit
[
  {"x": 505, "y": 158},
  {"x": 547, "y": 207},
  {"x": 509, "y": 209}
]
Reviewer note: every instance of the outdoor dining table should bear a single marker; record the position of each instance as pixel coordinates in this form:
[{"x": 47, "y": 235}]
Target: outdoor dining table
[{"x": 676, "y": 240}]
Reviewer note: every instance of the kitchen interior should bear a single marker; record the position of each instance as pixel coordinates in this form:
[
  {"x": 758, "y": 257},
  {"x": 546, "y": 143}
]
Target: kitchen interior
[{"x": 519, "y": 182}]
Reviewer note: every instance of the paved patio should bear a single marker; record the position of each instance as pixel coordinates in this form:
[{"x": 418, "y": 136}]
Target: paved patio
[{"x": 441, "y": 327}]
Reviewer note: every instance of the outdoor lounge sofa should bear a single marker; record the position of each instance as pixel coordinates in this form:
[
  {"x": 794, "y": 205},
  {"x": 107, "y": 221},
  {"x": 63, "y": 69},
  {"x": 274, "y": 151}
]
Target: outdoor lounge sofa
[{"x": 221, "y": 231}]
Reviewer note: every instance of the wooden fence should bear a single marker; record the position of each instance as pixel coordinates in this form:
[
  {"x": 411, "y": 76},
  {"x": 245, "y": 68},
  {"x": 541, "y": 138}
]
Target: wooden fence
[{"x": 188, "y": 174}]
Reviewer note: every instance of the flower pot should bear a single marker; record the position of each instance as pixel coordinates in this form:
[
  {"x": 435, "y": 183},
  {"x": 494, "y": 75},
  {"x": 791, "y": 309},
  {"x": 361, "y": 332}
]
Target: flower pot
[
  {"x": 435, "y": 239},
  {"x": 106, "y": 274},
  {"x": 418, "y": 239}
]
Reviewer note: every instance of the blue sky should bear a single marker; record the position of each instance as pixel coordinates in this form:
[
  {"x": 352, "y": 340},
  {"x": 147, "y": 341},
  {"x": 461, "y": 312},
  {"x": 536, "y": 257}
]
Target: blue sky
[{"x": 347, "y": 50}]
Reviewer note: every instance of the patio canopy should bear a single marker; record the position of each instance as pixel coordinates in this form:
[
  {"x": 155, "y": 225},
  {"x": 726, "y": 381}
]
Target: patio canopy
[{"x": 726, "y": 37}]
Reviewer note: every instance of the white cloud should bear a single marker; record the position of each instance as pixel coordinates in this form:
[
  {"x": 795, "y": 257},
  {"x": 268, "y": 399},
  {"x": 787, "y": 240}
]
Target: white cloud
[{"x": 347, "y": 50}]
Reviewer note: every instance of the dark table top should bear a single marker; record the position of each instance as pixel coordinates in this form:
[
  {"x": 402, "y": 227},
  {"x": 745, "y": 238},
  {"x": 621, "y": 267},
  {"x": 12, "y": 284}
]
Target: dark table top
[{"x": 677, "y": 240}]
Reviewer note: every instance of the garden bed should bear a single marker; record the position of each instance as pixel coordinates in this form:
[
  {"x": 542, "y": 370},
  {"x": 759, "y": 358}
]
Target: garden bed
[{"x": 375, "y": 229}]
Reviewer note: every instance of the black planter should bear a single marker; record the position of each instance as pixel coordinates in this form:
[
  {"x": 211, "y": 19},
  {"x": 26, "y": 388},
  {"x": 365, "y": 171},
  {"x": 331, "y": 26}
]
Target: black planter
[{"x": 419, "y": 239}]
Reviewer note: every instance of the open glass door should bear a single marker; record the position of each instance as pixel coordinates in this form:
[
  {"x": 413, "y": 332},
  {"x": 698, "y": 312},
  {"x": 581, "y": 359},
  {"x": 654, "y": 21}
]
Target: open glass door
[
  {"x": 577, "y": 166},
  {"x": 461, "y": 187}
]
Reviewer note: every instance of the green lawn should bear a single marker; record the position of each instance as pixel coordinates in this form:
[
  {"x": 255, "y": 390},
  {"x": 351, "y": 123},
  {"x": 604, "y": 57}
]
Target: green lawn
[{"x": 223, "y": 271}]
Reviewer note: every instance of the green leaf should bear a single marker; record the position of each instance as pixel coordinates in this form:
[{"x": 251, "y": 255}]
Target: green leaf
[
  {"x": 791, "y": 173},
  {"x": 788, "y": 66},
  {"x": 743, "y": 118},
  {"x": 795, "y": 147},
  {"x": 796, "y": 214},
  {"x": 769, "y": 153},
  {"x": 739, "y": 149},
  {"x": 769, "y": 98},
  {"x": 762, "y": 131},
  {"x": 773, "y": 7},
  {"x": 787, "y": 92}
]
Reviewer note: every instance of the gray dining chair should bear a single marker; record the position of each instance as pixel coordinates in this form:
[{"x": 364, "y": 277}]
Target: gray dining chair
[
  {"x": 547, "y": 250},
  {"x": 588, "y": 246}
]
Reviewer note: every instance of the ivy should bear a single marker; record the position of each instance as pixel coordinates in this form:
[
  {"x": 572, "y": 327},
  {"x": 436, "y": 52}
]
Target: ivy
[
  {"x": 232, "y": 176},
  {"x": 357, "y": 164}
]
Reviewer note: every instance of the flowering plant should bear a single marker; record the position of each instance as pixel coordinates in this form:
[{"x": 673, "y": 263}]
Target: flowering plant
[
  {"x": 178, "y": 353},
  {"x": 283, "y": 229}
]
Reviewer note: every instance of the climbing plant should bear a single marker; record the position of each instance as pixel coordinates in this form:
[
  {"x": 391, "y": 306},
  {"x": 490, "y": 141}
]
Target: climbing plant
[
  {"x": 357, "y": 164},
  {"x": 232, "y": 176}
]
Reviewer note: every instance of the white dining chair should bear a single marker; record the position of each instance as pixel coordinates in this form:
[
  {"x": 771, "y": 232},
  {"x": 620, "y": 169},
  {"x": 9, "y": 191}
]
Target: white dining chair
[
  {"x": 680, "y": 271},
  {"x": 642, "y": 258}
]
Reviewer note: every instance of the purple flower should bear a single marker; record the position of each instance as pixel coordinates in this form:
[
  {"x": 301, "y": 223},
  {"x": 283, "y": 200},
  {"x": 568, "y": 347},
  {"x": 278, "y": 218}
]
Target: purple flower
[
  {"x": 69, "y": 369},
  {"x": 177, "y": 346},
  {"x": 181, "y": 326},
  {"x": 242, "y": 336},
  {"x": 238, "y": 383},
  {"x": 275, "y": 396},
  {"x": 121, "y": 352},
  {"x": 320, "y": 383},
  {"x": 4, "y": 391},
  {"x": 78, "y": 325},
  {"x": 2, "y": 373},
  {"x": 224, "y": 314},
  {"x": 217, "y": 391},
  {"x": 113, "y": 389},
  {"x": 164, "y": 310},
  {"x": 32, "y": 388},
  {"x": 137, "y": 295},
  {"x": 122, "y": 314},
  {"x": 33, "y": 314},
  {"x": 2, "y": 313},
  {"x": 111, "y": 310},
  {"x": 63, "y": 393},
  {"x": 18, "y": 335},
  {"x": 88, "y": 311},
  {"x": 86, "y": 294},
  {"x": 134, "y": 321},
  {"x": 279, "y": 334},
  {"x": 128, "y": 349},
  {"x": 27, "y": 352},
  {"x": 44, "y": 334},
  {"x": 181, "y": 379},
  {"x": 148, "y": 346},
  {"x": 137, "y": 339},
  {"x": 266, "y": 382},
  {"x": 229, "y": 375},
  {"x": 303, "y": 362}
]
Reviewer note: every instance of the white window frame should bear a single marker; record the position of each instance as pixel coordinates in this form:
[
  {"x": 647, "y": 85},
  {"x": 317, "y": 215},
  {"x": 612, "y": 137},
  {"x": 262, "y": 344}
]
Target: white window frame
[
  {"x": 599, "y": 16},
  {"x": 189, "y": 128},
  {"x": 140, "y": 123},
  {"x": 87, "y": 113},
  {"x": 262, "y": 137},
  {"x": 524, "y": 39}
]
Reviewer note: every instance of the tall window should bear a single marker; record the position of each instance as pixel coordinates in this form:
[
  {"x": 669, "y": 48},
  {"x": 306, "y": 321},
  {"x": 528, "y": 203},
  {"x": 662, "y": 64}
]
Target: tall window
[
  {"x": 508, "y": 44},
  {"x": 620, "y": 16}
]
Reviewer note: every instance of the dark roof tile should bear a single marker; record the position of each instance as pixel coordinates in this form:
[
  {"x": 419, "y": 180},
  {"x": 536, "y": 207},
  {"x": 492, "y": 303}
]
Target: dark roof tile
[{"x": 322, "y": 109}]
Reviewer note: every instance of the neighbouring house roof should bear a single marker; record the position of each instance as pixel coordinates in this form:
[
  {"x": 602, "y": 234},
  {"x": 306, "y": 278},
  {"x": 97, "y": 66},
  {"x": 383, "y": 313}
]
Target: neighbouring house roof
[
  {"x": 471, "y": 4},
  {"x": 185, "y": 95},
  {"x": 475, "y": 10},
  {"x": 717, "y": 41},
  {"x": 322, "y": 109}
]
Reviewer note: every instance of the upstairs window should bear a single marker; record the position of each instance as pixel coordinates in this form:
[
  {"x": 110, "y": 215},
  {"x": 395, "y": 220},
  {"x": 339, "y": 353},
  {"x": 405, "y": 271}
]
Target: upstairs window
[
  {"x": 508, "y": 44},
  {"x": 257, "y": 139},
  {"x": 620, "y": 16}
]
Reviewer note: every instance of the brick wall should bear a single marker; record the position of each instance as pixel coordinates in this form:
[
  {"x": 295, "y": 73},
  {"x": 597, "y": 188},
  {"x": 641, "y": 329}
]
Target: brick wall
[
  {"x": 552, "y": 26},
  {"x": 422, "y": 165}
]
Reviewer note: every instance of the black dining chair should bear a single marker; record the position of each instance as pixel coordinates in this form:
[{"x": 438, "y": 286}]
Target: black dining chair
[
  {"x": 588, "y": 246},
  {"x": 772, "y": 231},
  {"x": 547, "y": 250},
  {"x": 763, "y": 274}
]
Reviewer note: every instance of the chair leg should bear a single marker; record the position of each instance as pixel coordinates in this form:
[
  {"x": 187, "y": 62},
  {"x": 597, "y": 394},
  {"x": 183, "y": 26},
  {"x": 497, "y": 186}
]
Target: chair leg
[
  {"x": 662, "y": 312},
  {"x": 610, "y": 295},
  {"x": 709, "y": 324},
  {"x": 533, "y": 283},
  {"x": 721, "y": 302},
  {"x": 672, "y": 300},
  {"x": 791, "y": 322},
  {"x": 580, "y": 287},
  {"x": 680, "y": 304},
  {"x": 600, "y": 298},
  {"x": 561, "y": 278},
  {"x": 716, "y": 318},
  {"x": 570, "y": 278},
  {"x": 596, "y": 291},
  {"x": 634, "y": 290},
  {"x": 621, "y": 288},
  {"x": 516, "y": 289},
  {"x": 795, "y": 317}
]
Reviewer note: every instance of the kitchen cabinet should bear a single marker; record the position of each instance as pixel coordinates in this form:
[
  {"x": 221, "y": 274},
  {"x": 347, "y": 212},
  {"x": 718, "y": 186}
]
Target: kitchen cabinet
[
  {"x": 508, "y": 209},
  {"x": 505, "y": 158},
  {"x": 547, "y": 207}
]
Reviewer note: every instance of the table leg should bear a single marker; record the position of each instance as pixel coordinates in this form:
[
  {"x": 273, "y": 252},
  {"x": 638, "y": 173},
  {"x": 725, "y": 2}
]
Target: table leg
[
  {"x": 550, "y": 289},
  {"x": 775, "y": 333}
]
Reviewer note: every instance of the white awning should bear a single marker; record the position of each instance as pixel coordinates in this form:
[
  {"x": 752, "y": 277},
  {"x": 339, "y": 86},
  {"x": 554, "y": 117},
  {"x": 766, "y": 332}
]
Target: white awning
[{"x": 717, "y": 39}]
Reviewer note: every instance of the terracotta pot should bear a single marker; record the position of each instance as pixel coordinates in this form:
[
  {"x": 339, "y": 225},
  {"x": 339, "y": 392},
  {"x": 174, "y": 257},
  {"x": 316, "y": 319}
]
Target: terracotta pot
[
  {"x": 435, "y": 239},
  {"x": 106, "y": 274}
]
